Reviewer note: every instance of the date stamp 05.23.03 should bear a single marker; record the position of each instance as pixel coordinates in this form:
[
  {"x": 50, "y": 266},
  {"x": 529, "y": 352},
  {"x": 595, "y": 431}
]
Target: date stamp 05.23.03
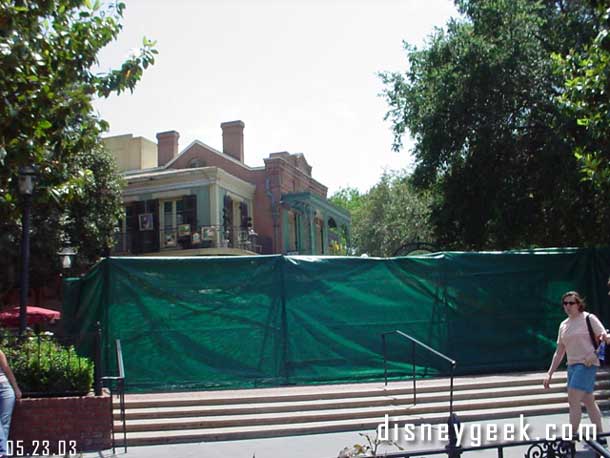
[{"x": 41, "y": 448}]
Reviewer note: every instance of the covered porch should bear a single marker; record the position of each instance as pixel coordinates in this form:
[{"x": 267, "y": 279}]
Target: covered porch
[{"x": 314, "y": 226}]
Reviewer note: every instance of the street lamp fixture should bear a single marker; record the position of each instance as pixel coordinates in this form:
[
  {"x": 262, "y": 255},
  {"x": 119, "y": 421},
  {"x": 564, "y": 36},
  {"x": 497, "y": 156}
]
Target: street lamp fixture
[
  {"x": 66, "y": 254},
  {"x": 27, "y": 178}
]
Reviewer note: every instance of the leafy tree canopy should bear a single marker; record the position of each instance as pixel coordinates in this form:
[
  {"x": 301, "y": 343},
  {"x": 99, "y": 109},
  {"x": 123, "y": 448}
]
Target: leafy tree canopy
[
  {"x": 48, "y": 49},
  {"x": 348, "y": 198},
  {"x": 587, "y": 99},
  {"x": 390, "y": 214},
  {"x": 480, "y": 100}
]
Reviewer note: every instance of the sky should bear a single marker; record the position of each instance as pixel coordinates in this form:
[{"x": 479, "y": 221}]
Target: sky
[{"x": 301, "y": 75}]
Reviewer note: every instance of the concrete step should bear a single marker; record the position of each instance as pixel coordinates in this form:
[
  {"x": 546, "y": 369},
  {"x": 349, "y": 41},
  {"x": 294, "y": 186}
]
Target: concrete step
[
  {"x": 280, "y": 418},
  {"x": 347, "y": 402},
  {"x": 318, "y": 392},
  {"x": 270, "y": 412},
  {"x": 253, "y": 432}
]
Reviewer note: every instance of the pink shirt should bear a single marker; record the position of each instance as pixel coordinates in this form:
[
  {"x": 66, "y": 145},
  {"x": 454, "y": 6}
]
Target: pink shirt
[{"x": 575, "y": 337}]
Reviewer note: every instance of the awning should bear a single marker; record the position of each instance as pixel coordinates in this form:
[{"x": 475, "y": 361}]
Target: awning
[
  {"x": 306, "y": 201},
  {"x": 34, "y": 315}
]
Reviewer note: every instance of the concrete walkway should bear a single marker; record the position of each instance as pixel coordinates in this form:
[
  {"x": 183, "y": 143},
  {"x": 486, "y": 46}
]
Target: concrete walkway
[{"x": 329, "y": 445}]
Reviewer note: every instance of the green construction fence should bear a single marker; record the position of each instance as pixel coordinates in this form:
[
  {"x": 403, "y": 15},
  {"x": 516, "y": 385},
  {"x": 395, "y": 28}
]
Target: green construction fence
[{"x": 237, "y": 322}]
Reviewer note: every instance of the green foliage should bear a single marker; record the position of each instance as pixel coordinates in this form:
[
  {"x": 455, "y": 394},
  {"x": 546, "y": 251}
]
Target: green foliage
[
  {"x": 390, "y": 214},
  {"x": 491, "y": 141},
  {"x": 92, "y": 213},
  {"x": 348, "y": 198},
  {"x": 43, "y": 366},
  {"x": 351, "y": 200},
  {"x": 586, "y": 98},
  {"x": 370, "y": 449},
  {"x": 47, "y": 85}
]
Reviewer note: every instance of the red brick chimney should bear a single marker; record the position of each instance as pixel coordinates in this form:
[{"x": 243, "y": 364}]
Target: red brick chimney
[
  {"x": 167, "y": 146},
  {"x": 233, "y": 139}
]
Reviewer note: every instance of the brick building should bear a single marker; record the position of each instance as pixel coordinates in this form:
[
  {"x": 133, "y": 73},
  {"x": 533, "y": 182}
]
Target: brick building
[{"x": 210, "y": 202}]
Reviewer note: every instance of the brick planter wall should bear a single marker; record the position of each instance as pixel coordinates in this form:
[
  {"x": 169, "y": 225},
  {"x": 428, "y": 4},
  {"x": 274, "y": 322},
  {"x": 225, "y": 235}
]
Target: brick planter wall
[{"x": 86, "y": 421}]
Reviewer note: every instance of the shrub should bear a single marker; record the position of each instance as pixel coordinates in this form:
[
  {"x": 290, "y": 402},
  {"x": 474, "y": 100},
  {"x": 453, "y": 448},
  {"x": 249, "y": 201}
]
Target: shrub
[{"x": 43, "y": 367}]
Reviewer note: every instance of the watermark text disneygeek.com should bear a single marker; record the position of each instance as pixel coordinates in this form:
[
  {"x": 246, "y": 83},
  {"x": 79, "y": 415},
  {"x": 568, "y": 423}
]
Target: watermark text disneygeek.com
[{"x": 475, "y": 434}]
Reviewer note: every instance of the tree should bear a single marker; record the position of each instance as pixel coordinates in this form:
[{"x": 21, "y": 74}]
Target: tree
[
  {"x": 490, "y": 138},
  {"x": 47, "y": 85},
  {"x": 92, "y": 215},
  {"x": 391, "y": 213},
  {"x": 587, "y": 99},
  {"x": 348, "y": 198}
]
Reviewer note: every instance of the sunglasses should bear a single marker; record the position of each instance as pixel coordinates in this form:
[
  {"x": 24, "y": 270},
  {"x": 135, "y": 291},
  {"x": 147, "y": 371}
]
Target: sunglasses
[{"x": 569, "y": 302}]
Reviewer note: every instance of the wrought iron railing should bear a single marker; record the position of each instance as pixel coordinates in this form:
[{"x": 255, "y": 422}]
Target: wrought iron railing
[
  {"x": 116, "y": 385},
  {"x": 598, "y": 447},
  {"x": 415, "y": 342},
  {"x": 59, "y": 352},
  {"x": 537, "y": 448},
  {"x": 185, "y": 237},
  {"x": 35, "y": 352}
]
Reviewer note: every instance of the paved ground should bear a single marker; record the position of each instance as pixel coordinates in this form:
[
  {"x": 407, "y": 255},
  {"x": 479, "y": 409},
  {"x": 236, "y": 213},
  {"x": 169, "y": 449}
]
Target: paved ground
[{"x": 329, "y": 445}]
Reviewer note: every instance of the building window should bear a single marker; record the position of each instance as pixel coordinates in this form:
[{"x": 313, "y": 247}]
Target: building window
[
  {"x": 122, "y": 239},
  {"x": 142, "y": 241},
  {"x": 178, "y": 221},
  {"x": 171, "y": 217}
]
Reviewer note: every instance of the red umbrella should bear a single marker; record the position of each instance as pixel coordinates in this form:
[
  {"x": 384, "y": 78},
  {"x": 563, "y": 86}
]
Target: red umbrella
[{"x": 35, "y": 315}]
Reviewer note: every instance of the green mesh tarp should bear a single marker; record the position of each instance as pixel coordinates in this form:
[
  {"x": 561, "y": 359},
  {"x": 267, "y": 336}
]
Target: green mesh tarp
[{"x": 235, "y": 322}]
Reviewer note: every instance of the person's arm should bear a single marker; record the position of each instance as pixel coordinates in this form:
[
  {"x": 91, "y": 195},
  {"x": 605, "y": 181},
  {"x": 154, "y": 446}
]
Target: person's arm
[
  {"x": 598, "y": 330},
  {"x": 9, "y": 374},
  {"x": 557, "y": 358}
]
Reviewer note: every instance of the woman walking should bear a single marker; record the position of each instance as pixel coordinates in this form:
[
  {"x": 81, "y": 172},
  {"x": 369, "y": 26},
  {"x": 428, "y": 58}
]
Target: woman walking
[{"x": 574, "y": 340}]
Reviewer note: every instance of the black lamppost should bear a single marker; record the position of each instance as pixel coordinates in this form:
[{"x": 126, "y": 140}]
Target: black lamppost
[{"x": 26, "y": 189}]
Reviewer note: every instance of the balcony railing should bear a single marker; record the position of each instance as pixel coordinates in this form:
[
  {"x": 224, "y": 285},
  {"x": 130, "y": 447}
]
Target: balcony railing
[{"x": 186, "y": 237}]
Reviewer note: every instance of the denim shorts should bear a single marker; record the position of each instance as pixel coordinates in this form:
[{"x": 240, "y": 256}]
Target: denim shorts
[{"x": 581, "y": 377}]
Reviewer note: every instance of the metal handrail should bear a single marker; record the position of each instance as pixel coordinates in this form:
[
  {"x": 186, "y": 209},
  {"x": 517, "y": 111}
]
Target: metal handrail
[
  {"x": 414, "y": 342},
  {"x": 120, "y": 383},
  {"x": 599, "y": 448},
  {"x": 119, "y": 355}
]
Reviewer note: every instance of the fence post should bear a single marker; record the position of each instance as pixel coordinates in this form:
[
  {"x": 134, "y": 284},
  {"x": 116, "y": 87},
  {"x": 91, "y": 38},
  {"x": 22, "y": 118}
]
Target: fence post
[{"x": 97, "y": 371}]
